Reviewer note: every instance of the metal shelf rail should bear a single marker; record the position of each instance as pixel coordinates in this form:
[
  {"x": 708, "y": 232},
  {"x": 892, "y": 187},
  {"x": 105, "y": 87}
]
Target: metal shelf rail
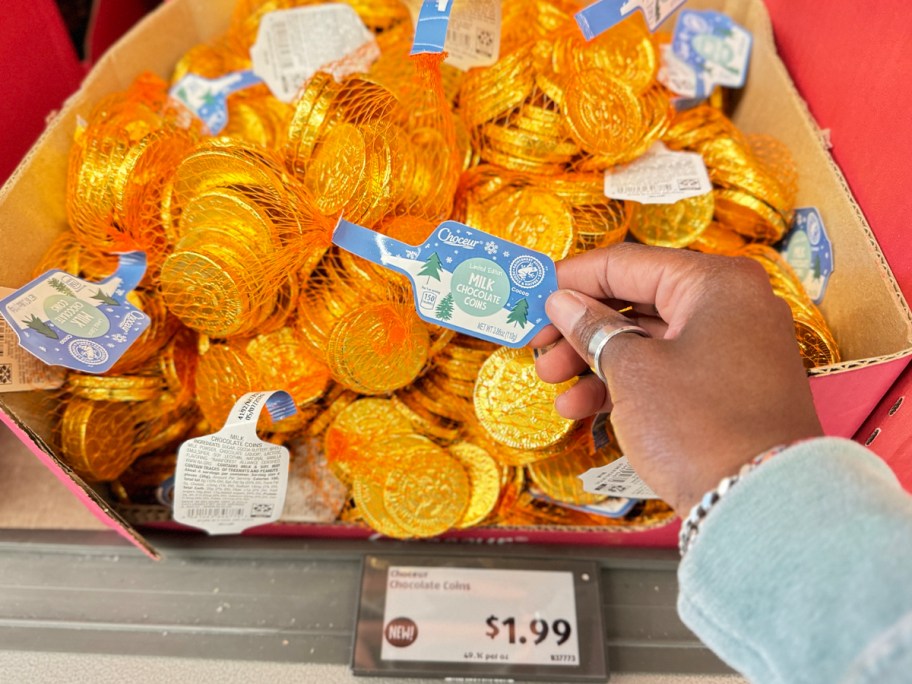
[{"x": 282, "y": 600}]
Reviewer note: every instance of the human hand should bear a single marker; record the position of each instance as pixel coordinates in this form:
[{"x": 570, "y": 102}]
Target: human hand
[{"x": 720, "y": 381}]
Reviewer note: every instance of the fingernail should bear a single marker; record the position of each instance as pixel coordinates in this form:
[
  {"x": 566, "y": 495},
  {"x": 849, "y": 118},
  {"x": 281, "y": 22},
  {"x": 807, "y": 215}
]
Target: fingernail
[
  {"x": 565, "y": 308},
  {"x": 541, "y": 351}
]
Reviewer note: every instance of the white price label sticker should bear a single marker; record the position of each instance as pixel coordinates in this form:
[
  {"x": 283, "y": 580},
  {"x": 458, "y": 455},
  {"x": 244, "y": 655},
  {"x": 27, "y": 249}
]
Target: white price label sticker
[
  {"x": 479, "y": 616},
  {"x": 618, "y": 478},
  {"x": 19, "y": 370},
  {"x": 293, "y": 44},
  {"x": 232, "y": 480},
  {"x": 661, "y": 176}
]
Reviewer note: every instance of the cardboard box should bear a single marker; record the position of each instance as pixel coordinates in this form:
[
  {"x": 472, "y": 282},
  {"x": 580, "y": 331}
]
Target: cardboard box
[
  {"x": 863, "y": 304},
  {"x": 888, "y": 432}
]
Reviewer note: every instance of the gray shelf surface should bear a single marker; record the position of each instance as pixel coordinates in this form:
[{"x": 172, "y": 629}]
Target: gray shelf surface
[
  {"x": 78, "y": 604},
  {"x": 281, "y": 600}
]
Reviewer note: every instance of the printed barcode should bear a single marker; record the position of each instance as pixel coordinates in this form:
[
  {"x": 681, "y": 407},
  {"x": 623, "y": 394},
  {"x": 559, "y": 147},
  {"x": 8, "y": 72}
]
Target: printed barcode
[
  {"x": 283, "y": 47},
  {"x": 619, "y": 480},
  {"x": 232, "y": 512},
  {"x": 458, "y": 38},
  {"x": 2, "y": 341},
  {"x": 646, "y": 188}
]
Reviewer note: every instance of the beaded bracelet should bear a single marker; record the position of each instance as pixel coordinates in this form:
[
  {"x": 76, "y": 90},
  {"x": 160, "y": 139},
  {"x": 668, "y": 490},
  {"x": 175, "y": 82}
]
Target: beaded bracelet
[{"x": 691, "y": 525}]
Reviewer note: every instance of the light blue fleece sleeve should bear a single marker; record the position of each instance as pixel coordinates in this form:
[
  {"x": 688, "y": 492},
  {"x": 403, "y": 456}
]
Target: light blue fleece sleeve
[{"x": 802, "y": 572}]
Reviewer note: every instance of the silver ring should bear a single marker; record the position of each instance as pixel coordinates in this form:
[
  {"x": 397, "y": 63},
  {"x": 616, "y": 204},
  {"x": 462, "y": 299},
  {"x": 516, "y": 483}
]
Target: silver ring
[{"x": 601, "y": 338}]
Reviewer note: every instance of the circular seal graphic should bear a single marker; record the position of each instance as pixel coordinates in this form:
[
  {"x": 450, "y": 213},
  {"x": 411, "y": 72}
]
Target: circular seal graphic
[
  {"x": 88, "y": 352},
  {"x": 401, "y": 632},
  {"x": 527, "y": 271}
]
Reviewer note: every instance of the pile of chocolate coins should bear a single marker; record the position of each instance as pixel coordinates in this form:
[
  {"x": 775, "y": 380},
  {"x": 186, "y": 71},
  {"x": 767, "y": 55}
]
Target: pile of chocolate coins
[{"x": 426, "y": 431}]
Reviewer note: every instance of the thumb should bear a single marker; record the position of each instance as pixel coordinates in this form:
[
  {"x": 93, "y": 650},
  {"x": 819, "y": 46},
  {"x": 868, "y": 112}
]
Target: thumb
[{"x": 579, "y": 317}]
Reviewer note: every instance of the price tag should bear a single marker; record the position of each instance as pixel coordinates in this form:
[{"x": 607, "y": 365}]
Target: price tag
[{"x": 477, "y": 617}]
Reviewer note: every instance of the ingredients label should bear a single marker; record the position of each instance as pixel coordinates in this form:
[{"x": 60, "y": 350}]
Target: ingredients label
[
  {"x": 232, "y": 480},
  {"x": 617, "y": 479},
  {"x": 661, "y": 176},
  {"x": 294, "y": 44},
  {"x": 19, "y": 370},
  {"x": 472, "y": 34}
]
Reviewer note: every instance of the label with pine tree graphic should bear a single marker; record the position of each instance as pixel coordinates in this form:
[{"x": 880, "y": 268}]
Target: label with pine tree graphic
[
  {"x": 67, "y": 321},
  {"x": 808, "y": 249},
  {"x": 715, "y": 48},
  {"x": 465, "y": 279}
]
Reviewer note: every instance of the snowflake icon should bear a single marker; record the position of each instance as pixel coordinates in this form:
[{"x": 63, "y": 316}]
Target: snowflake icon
[
  {"x": 110, "y": 345},
  {"x": 506, "y": 254},
  {"x": 449, "y": 260},
  {"x": 491, "y": 247},
  {"x": 119, "y": 338}
]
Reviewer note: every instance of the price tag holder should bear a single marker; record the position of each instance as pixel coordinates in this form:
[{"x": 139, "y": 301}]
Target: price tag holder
[{"x": 470, "y": 618}]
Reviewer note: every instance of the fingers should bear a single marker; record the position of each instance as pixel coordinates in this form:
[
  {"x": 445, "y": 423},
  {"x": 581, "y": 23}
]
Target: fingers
[
  {"x": 559, "y": 363},
  {"x": 578, "y": 318},
  {"x": 547, "y": 335},
  {"x": 670, "y": 280},
  {"x": 586, "y": 398}
]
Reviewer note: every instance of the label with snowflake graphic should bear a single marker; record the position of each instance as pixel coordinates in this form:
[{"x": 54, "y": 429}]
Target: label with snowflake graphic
[
  {"x": 67, "y": 321},
  {"x": 809, "y": 251},
  {"x": 229, "y": 481},
  {"x": 714, "y": 47},
  {"x": 602, "y": 15},
  {"x": 465, "y": 279}
]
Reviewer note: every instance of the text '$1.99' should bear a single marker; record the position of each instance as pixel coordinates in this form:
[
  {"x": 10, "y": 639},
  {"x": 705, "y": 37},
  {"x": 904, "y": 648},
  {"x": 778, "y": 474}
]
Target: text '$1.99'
[{"x": 539, "y": 629}]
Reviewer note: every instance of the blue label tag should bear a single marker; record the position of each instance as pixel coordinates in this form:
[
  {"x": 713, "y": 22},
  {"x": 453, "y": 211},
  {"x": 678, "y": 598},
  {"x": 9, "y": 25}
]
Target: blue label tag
[
  {"x": 602, "y": 15},
  {"x": 208, "y": 98},
  {"x": 612, "y": 507},
  {"x": 715, "y": 47},
  {"x": 808, "y": 250},
  {"x": 465, "y": 279},
  {"x": 67, "y": 321},
  {"x": 431, "y": 27}
]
